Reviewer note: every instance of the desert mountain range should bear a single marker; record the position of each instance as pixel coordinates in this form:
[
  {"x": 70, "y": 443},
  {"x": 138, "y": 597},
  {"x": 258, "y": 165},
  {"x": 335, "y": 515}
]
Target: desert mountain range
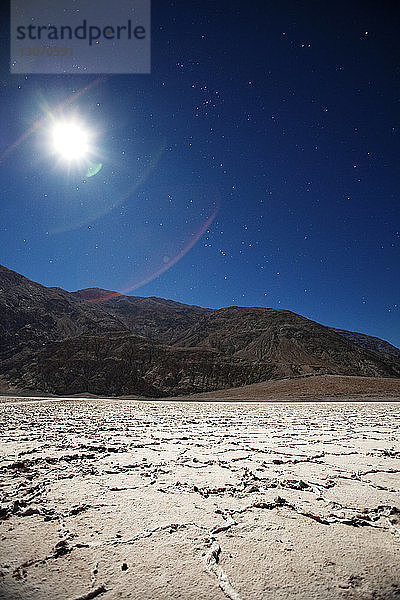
[{"x": 101, "y": 342}]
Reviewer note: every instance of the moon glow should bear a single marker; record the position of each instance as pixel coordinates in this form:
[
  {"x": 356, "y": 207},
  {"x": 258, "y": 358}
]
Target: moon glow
[{"x": 70, "y": 141}]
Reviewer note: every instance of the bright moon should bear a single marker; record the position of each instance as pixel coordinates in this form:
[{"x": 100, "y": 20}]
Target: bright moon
[{"x": 70, "y": 141}]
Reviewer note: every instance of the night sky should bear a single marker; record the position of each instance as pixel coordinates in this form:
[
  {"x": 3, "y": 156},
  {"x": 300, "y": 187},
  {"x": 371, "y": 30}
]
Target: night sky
[{"x": 256, "y": 166}]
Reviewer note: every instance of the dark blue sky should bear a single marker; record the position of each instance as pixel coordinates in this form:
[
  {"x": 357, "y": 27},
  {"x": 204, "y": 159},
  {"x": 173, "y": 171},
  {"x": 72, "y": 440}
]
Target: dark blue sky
[{"x": 256, "y": 166}]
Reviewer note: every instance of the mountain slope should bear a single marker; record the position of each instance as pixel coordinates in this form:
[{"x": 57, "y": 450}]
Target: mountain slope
[
  {"x": 370, "y": 342},
  {"x": 105, "y": 343},
  {"x": 31, "y": 315}
]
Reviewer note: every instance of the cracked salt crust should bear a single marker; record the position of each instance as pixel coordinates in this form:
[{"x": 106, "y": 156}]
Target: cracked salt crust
[{"x": 164, "y": 500}]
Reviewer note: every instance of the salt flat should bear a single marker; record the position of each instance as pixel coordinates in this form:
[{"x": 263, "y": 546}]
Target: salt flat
[{"x": 164, "y": 500}]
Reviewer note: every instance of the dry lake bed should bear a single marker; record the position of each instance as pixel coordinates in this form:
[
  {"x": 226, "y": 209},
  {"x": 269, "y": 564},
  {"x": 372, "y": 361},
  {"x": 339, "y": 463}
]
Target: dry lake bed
[{"x": 199, "y": 501}]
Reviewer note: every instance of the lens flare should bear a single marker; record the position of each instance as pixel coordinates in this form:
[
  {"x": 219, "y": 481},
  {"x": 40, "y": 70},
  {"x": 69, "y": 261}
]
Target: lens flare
[{"x": 94, "y": 169}]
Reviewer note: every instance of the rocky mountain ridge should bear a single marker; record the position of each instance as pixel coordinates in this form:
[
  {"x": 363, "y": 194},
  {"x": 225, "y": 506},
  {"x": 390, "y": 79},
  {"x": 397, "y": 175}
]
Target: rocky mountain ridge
[{"x": 105, "y": 343}]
